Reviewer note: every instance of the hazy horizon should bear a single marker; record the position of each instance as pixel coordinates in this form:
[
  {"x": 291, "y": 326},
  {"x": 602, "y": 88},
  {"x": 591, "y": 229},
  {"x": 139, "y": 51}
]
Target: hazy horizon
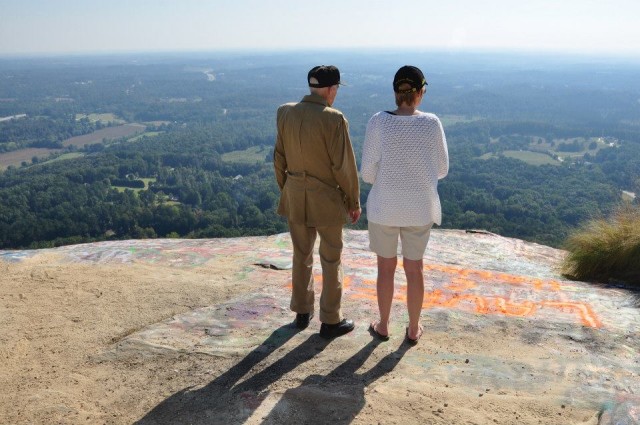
[{"x": 95, "y": 27}]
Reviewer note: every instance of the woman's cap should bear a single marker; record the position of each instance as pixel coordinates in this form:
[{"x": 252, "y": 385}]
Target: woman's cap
[
  {"x": 409, "y": 75},
  {"x": 325, "y": 75}
]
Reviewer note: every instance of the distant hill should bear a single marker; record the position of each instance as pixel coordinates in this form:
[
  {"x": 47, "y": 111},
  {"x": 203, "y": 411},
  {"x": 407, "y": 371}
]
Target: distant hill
[{"x": 537, "y": 144}]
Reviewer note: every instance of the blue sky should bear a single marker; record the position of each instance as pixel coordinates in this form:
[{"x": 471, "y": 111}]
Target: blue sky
[{"x": 95, "y": 26}]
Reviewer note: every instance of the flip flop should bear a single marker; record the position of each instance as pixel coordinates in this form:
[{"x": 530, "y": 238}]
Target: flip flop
[
  {"x": 375, "y": 333},
  {"x": 412, "y": 341}
]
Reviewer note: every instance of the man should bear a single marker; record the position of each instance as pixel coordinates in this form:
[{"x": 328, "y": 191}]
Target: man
[{"x": 316, "y": 170}]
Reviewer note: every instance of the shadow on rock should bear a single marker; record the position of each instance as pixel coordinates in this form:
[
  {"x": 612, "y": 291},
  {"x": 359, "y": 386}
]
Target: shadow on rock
[
  {"x": 223, "y": 400},
  {"x": 335, "y": 398}
]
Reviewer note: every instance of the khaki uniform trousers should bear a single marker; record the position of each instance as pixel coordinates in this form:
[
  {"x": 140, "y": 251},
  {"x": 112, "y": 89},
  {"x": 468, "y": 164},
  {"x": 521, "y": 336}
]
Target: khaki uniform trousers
[{"x": 302, "y": 296}]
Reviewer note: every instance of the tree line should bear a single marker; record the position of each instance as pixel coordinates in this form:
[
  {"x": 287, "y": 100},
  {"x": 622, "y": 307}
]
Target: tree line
[{"x": 196, "y": 194}]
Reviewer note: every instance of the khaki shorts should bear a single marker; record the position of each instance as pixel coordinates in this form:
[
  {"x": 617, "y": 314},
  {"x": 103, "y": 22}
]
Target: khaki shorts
[{"x": 383, "y": 240}]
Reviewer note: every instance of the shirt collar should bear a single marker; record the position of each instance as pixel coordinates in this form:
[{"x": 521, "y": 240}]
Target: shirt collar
[{"x": 315, "y": 98}]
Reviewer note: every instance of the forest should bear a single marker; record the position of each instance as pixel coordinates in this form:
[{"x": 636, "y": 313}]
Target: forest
[{"x": 537, "y": 145}]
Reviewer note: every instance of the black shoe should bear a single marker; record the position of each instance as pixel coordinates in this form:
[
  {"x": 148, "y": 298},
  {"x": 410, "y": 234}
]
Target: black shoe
[
  {"x": 339, "y": 329},
  {"x": 302, "y": 320}
]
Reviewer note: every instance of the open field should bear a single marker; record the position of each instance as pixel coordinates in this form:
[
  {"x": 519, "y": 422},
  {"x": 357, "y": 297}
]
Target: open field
[
  {"x": 455, "y": 119},
  {"x": 535, "y": 152},
  {"x": 16, "y": 158},
  {"x": 533, "y": 158},
  {"x": 600, "y": 144},
  {"x": 248, "y": 156},
  {"x": 136, "y": 190},
  {"x": 103, "y": 118},
  {"x": 157, "y": 122},
  {"x": 70, "y": 155},
  {"x": 145, "y": 134},
  {"x": 585, "y": 142},
  {"x": 106, "y": 133}
]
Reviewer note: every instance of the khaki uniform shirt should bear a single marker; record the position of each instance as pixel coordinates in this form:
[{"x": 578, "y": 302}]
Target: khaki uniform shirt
[{"x": 314, "y": 164}]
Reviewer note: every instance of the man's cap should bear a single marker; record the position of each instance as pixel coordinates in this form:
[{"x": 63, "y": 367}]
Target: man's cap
[
  {"x": 326, "y": 75},
  {"x": 409, "y": 75}
]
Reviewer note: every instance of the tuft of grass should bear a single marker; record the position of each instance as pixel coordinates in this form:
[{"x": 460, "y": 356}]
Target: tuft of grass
[{"x": 605, "y": 249}]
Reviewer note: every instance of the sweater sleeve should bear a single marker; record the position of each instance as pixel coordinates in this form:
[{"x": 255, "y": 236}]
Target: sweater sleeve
[
  {"x": 371, "y": 152},
  {"x": 443, "y": 154}
]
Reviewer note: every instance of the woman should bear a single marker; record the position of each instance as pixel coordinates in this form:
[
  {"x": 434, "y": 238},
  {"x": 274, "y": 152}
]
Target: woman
[{"x": 404, "y": 156}]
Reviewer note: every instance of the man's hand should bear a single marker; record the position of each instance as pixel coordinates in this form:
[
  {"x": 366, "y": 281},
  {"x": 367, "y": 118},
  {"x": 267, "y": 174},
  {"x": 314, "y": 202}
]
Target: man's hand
[{"x": 355, "y": 215}]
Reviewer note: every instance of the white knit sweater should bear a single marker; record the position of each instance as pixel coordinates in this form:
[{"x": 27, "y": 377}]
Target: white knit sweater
[{"x": 404, "y": 157}]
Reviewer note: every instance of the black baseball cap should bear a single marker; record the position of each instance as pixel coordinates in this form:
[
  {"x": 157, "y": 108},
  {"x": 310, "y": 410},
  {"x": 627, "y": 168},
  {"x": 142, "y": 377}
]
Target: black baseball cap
[
  {"x": 409, "y": 75},
  {"x": 327, "y": 76}
]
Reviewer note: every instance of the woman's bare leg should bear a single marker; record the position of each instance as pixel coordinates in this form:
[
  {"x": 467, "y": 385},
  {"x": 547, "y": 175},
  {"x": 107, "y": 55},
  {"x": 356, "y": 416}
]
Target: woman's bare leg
[
  {"x": 385, "y": 287},
  {"x": 413, "y": 269}
]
